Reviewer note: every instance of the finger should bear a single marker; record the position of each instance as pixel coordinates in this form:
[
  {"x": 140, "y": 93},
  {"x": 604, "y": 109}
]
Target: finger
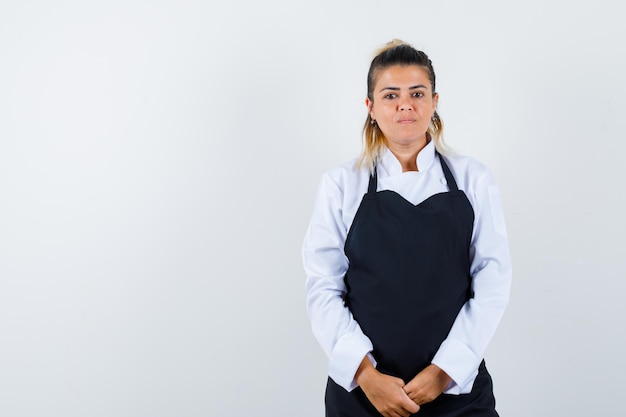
[
  {"x": 413, "y": 396},
  {"x": 407, "y": 413},
  {"x": 407, "y": 402},
  {"x": 410, "y": 406}
]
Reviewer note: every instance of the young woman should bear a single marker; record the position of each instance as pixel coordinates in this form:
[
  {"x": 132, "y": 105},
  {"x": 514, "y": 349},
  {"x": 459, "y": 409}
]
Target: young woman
[{"x": 407, "y": 260}]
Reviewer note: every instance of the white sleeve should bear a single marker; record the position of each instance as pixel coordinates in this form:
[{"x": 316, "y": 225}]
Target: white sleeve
[
  {"x": 325, "y": 265},
  {"x": 464, "y": 348}
]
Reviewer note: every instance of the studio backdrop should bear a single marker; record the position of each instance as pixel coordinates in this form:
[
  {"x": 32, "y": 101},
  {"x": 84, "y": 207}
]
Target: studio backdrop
[{"x": 158, "y": 166}]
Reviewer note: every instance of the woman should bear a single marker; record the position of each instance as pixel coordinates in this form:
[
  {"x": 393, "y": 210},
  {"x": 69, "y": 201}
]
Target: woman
[{"x": 407, "y": 261}]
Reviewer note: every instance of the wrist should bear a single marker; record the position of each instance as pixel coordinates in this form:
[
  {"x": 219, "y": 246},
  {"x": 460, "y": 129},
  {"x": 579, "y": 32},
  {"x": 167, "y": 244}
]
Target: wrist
[
  {"x": 443, "y": 378},
  {"x": 365, "y": 371}
]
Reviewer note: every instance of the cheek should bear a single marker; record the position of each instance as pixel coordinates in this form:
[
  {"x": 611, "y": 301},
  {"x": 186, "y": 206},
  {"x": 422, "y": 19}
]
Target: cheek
[
  {"x": 387, "y": 111},
  {"x": 378, "y": 112}
]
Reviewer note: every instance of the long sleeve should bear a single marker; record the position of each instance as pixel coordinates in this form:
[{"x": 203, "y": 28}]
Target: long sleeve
[
  {"x": 339, "y": 195},
  {"x": 325, "y": 264},
  {"x": 464, "y": 348}
]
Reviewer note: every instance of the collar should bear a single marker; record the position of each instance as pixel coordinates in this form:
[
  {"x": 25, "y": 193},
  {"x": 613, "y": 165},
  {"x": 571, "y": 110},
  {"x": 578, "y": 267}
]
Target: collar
[{"x": 389, "y": 164}]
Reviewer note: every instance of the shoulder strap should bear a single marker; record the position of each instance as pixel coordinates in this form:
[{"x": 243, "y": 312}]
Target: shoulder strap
[
  {"x": 446, "y": 171},
  {"x": 371, "y": 189}
]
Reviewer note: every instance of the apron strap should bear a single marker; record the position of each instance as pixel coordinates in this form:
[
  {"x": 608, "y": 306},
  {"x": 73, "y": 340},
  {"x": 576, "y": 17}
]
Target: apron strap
[
  {"x": 446, "y": 171},
  {"x": 371, "y": 189}
]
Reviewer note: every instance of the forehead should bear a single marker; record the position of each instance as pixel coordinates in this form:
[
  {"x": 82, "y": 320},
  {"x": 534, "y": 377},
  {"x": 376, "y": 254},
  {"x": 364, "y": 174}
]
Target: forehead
[{"x": 402, "y": 76}]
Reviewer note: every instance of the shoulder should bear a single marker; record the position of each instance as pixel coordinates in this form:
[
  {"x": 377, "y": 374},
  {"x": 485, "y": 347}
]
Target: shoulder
[
  {"x": 345, "y": 176},
  {"x": 466, "y": 167},
  {"x": 471, "y": 175}
]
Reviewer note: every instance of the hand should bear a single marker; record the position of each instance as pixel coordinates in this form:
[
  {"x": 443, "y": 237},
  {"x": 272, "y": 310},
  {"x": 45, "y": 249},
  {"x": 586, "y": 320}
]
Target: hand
[
  {"x": 427, "y": 385},
  {"x": 384, "y": 391}
]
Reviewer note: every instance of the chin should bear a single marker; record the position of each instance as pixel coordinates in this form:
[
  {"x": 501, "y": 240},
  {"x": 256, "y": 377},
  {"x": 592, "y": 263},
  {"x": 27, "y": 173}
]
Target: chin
[{"x": 409, "y": 140}]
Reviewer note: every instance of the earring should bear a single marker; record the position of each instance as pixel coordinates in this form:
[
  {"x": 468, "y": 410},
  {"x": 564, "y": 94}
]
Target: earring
[{"x": 373, "y": 122}]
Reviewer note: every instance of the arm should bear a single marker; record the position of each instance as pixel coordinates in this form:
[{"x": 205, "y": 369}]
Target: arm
[
  {"x": 461, "y": 353},
  {"x": 349, "y": 350},
  {"x": 325, "y": 264}
]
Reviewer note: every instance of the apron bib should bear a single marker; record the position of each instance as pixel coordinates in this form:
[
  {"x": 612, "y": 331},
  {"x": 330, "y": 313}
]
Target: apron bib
[{"x": 409, "y": 269}]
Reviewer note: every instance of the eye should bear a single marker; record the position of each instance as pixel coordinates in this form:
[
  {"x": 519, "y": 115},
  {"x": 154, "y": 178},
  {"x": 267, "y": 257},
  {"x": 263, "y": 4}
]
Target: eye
[
  {"x": 418, "y": 94},
  {"x": 390, "y": 96}
]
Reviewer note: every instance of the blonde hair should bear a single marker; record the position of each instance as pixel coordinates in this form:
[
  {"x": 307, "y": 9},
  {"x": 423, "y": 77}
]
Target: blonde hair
[{"x": 393, "y": 53}]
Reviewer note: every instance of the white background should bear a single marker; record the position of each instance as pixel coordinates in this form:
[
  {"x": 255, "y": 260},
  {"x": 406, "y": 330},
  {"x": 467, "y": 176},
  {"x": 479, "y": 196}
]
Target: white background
[{"x": 158, "y": 164}]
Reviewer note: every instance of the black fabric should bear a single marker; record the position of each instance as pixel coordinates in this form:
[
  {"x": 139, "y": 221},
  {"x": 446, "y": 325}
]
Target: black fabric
[
  {"x": 480, "y": 402},
  {"x": 408, "y": 277}
]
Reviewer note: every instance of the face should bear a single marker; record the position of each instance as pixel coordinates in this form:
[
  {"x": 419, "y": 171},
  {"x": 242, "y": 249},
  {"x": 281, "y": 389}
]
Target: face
[{"x": 402, "y": 105}]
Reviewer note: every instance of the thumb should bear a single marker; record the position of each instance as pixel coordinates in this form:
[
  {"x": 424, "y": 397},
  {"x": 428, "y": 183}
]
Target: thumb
[
  {"x": 409, "y": 404},
  {"x": 411, "y": 407}
]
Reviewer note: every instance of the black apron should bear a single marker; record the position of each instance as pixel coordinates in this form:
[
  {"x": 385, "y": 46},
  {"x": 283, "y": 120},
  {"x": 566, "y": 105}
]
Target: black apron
[{"x": 409, "y": 269}]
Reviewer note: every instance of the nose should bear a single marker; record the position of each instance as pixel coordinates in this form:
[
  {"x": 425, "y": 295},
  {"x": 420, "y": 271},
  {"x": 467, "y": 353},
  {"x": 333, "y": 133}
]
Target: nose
[{"x": 405, "y": 104}]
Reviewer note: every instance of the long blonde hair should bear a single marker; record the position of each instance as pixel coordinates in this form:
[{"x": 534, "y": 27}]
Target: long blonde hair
[{"x": 393, "y": 53}]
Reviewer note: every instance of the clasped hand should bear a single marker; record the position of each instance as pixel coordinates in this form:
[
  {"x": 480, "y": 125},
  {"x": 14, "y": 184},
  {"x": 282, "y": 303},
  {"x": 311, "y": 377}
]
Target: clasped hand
[{"x": 392, "y": 398}]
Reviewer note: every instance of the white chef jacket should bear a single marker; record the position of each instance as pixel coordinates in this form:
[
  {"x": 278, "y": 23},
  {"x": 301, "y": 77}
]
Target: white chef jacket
[{"x": 339, "y": 195}]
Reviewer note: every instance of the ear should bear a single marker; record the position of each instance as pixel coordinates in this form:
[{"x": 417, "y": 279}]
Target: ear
[
  {"x": 370, "y": 105},
  {"x": 435, "y": 101}
]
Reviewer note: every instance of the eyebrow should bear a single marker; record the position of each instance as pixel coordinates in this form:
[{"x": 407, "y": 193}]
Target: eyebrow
[{"x": 398, "y": 88}]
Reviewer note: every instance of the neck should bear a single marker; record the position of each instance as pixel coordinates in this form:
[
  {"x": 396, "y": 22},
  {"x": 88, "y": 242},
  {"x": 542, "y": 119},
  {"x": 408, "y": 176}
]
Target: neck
[{"x": 407, "y": 154}]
